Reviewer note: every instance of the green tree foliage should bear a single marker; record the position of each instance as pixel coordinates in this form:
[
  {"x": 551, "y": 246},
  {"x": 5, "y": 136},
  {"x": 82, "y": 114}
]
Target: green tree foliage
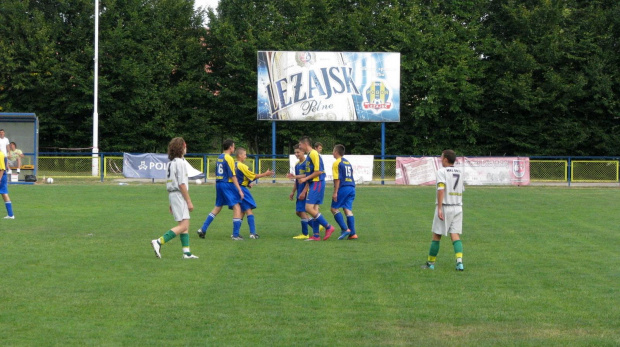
[
  {"x": 552, "y": 82},
  {"x": 152, "y": 79},
  {"x": 536, "y": 77}
]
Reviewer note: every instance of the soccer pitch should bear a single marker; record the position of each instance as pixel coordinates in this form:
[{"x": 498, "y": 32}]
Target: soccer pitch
[{"x": 541, "y": 268}]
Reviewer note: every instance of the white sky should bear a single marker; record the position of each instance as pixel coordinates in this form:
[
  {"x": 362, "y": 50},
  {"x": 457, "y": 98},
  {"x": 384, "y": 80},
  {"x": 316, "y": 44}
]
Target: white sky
[{"x": 205, "y": 3}]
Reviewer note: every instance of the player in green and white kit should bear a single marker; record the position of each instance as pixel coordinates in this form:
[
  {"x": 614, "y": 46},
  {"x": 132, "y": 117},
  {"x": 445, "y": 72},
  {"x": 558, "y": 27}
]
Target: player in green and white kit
[
  {"x": 178, "y": 195},
  {"x": 449, "y": 212}
]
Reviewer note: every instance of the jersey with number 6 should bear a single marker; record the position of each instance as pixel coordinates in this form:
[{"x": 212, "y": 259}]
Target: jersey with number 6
[{"x": 450, "y": 179}]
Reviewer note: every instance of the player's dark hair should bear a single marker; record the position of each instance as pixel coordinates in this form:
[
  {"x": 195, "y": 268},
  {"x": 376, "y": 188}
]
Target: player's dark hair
[
  {"x": 339, "y": 149},
  {"x": 296, "y": 146},
  {"x": 450, "y": 155},
  {"x": 317, "y": 144},
  {"x": 176, "y": 148},
  {"x": 227, "y": 144},
  {"x": 306, "y": 140},
  {"x": 239, "y": 150},
  {"x": 13, "y": 143}
]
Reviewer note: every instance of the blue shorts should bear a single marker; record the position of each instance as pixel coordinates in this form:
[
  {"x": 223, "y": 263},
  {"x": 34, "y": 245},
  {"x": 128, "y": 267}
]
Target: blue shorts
[
  {"x": 4, "y": 184},
  {"x": 346, "y": 195},
  {"x": 316, "y": 192},
  {"x": 226, "y": 194},
  {"x": 248, "y": 202},
  {"x": 300, "y": 205}
]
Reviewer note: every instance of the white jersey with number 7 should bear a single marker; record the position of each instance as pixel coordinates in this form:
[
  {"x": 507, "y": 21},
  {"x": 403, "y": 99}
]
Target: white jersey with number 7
[{"x": 450, "y": 179}]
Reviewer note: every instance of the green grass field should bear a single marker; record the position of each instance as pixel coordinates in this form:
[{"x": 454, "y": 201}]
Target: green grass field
[{"x": 77, "y": 268}]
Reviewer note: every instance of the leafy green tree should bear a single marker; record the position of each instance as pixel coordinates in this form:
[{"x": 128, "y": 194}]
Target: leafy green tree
[
  {"x": 552, "y": 78},
  {"x": 152, "y": 79}
]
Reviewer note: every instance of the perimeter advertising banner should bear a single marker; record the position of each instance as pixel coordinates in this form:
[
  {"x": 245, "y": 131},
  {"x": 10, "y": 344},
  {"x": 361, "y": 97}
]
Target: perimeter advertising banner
[
  {"x": 328, "y": 86},
  {"x": 151, "y": 165},
  {"x": 478, "y": 171},
  {"x": 362, "y": 166}
]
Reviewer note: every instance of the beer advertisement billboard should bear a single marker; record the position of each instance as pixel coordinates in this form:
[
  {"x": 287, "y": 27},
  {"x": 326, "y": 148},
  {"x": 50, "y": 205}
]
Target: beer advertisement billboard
[{"x": 328, "y": 86}]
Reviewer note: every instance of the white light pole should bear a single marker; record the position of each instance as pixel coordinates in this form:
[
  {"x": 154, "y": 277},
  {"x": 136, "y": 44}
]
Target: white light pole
[{"x": 95, "y": 163}]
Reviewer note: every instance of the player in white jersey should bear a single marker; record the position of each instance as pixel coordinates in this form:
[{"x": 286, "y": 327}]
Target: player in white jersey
[
  {"x": 449, "y": 211},
  {"x": 178, "y": 195}
]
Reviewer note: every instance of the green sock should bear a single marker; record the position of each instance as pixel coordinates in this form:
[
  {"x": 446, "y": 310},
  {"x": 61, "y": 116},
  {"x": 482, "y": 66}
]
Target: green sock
[
  {"x": 169, "y": 235},
  {"x": 184, "y": 240},
  {"x": 432, "y": 253},
  {"x": 458, "y": 249}
]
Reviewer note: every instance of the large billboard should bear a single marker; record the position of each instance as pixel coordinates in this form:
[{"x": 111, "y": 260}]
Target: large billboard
[{"x": 328, "y": 86}]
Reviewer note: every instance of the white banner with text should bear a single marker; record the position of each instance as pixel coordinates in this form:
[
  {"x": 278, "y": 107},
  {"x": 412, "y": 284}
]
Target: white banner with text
[{"x": 478, "y": 170}]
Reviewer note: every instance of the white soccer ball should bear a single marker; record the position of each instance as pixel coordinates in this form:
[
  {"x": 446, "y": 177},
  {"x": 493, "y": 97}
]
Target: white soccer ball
[
  {"x": 49, "y": 180},
  {"x": 199, "y": 181}
]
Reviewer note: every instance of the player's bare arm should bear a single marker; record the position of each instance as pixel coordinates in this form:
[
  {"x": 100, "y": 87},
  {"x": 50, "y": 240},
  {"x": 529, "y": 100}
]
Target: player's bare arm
[
  {"x": 236, "y": 183},
  {"x": 440, "y": 194},
  {"x": 304, "y": 193},
  {"x": 185, "y": 193},
  {"x": 311, "y": 176},
  {"x": 336, "y": 187}
]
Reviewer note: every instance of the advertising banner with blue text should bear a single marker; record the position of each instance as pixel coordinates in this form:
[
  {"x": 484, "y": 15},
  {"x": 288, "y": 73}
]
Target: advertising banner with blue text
[
  {"x": 328, "y": 86},
  {"x": 152, "y": 165},
  {"x": 478, "y": 170}
]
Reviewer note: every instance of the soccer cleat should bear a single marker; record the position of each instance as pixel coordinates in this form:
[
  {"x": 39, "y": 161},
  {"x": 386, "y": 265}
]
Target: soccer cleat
[
  {"x": 352, "y": 237},
  {"x": 236, "y": 238},
  {"x": 459, "y": 267},
  {"x": 344, "y": 235},
  {"x": 429, "y": 265},
  {"x": 9, "y": 217},
  {"x": 201, "y": 233},
  {"x": 254, "y": 236},
  {"x": 156, "y": 248},
  {"x": 314, "y": 238},
  {"x": 329, "y": 232},
  {"x": 189, "y": 256},
  {"x": 301, "y": 237}
]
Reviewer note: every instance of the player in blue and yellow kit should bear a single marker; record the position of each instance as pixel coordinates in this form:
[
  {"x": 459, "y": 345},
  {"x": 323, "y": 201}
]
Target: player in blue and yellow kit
[
  {"x": 315, "y": 176},
  {"x": 299, "y": 192},
  {"x": 227, "y": 191},
  {"x": 4, "y": 187},
  {"x": 344, "y": 194},
  {"x": 247, "y": 176}
]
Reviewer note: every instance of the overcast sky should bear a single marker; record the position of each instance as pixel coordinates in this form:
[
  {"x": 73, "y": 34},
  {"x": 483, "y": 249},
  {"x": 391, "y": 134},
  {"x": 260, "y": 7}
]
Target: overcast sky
[{"x": 205, "y": 3}]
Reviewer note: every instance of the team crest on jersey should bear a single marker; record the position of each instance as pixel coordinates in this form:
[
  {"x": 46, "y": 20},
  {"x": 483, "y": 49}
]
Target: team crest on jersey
[
  {"x": 377, "y": 97},
  {"x": 304, "y": 59},
  {"x": 518, "y": 168}
]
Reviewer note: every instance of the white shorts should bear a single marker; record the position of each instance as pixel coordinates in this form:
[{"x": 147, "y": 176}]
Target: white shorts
[
  {"x": 180, "y": 211},
  {"x": 452, "y": 222}
]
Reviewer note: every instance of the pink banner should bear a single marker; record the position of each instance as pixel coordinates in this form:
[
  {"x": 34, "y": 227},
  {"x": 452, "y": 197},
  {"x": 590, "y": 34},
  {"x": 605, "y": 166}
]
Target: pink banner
[{"x": 478, "y": 170}]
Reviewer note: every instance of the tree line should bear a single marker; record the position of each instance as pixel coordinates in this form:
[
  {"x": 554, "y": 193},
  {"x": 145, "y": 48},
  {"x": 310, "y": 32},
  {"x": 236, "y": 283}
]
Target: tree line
[{"x": 533, "y": 77}]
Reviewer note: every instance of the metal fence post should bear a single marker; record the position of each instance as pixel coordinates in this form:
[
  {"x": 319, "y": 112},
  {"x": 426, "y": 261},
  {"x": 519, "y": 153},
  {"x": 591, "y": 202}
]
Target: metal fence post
[{"x": 101, "y": 164}]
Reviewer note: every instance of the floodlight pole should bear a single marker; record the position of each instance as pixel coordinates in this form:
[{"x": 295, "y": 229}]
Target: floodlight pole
[{"x": 95, "y": 161}]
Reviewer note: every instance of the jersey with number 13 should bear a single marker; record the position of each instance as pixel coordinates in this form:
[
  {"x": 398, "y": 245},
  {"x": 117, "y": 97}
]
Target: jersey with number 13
[{"x": 450, "y": 179}]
